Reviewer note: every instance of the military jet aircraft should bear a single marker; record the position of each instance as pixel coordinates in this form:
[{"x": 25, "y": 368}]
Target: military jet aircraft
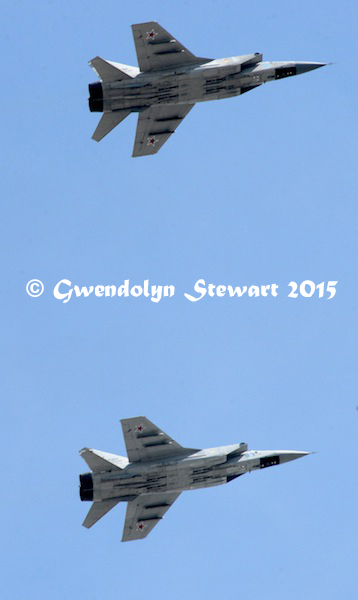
[
  {"x": 169, "y": 81},
  {"x": 157, "y": 470}
]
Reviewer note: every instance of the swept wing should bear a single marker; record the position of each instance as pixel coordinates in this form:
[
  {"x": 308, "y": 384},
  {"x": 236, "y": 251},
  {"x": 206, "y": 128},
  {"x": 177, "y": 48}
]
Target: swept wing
[
  {"x": 144, "y": 513},
  {"x": 145, "y": 441},
  {"x": 155, "y": 126},
  {"x": 157, "y": 49}
]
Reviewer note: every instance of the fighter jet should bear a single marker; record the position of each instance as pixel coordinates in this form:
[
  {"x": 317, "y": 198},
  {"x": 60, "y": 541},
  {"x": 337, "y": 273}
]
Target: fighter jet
[
  {"x": 157, "y": 470},
  {"x": 169, "y": 81}
]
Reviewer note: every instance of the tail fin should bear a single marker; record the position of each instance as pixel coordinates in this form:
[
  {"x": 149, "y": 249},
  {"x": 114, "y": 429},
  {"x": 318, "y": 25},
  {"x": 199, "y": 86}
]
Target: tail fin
[
  {"x": 107, "y": 71},
  {"x": 102, "y": 461},
  {"x": 98, "y": 510},
  {"x": 109, "y": 121}
]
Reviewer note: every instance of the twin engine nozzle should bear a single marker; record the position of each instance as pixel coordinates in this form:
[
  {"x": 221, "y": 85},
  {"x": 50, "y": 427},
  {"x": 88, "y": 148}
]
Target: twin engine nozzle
[
  {"x": 95, "y": 100},
  {"x": 86, "y": 487}
]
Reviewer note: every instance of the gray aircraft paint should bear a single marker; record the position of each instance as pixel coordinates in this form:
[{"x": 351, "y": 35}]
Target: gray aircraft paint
[
  {"x": 157, "y": 470},
  {"x": 169, "y": 81}
]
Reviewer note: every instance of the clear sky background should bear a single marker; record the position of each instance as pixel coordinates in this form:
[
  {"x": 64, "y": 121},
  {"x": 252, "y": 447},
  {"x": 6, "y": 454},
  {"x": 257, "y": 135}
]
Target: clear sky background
[{"x": 250, "y": 191}]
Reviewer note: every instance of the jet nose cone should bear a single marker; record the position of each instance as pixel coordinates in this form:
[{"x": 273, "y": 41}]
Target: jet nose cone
[
  {"x": 304, "y": 67},
  {"x": 291, "y": 455}
]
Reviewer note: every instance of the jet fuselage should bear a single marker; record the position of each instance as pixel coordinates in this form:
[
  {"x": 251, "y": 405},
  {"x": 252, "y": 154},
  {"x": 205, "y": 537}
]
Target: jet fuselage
[
  {"x": 169, "y": 81},
  {"x": 221, "y": 78},
  {"x": 157, "y": 470},
  {"x": 204, "y": 468}
]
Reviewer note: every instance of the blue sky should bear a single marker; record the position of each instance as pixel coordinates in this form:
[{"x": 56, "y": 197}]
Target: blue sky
[{"x": 250, "y": 191}]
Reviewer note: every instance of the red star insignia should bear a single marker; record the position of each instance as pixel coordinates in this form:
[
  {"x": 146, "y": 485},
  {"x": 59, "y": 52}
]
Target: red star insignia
[
  {"x": 139, "y": 428},
  {"x": 152, "y": 141},
  {"x": 141, "y": 526},
  {"x": 151, "y": 34}
]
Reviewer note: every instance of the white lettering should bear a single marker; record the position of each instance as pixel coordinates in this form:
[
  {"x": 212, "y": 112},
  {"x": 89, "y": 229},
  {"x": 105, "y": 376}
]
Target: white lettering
[
  {"x": 57, "y": 293},
  {"x": 83, "y": 291},
  {"x": 110, "y": 290},
  {"x": 303, "y": 290},
  {"x": 264, "y": 289},
  {"x": 169, "y": 289},
  {"x": 331, "y": 288},
  {"x": 199, "y": 290},
  {"x": 237, "y": 291},
  {"x": 136, "y": 291},
  {"x": 146, "y": 286},
  {"x": 211, "y": 289},
  {"x": 156, "y": 291},
  {"x": 220, "y": 290},
  {"x": 254, "y": 291},
  {"x": 123, "y": 290},
  {"x": 99, "y": 290}
]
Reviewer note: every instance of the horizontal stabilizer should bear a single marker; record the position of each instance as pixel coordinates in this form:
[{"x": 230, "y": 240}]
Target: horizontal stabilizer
[
  {"x": 107, "y": 71},
  {"x": 102, "y": 461},
  {"x": 126, "y": 69},
  {"x": 108, "y": 122},
  {"x": 98, "y": 510}
]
